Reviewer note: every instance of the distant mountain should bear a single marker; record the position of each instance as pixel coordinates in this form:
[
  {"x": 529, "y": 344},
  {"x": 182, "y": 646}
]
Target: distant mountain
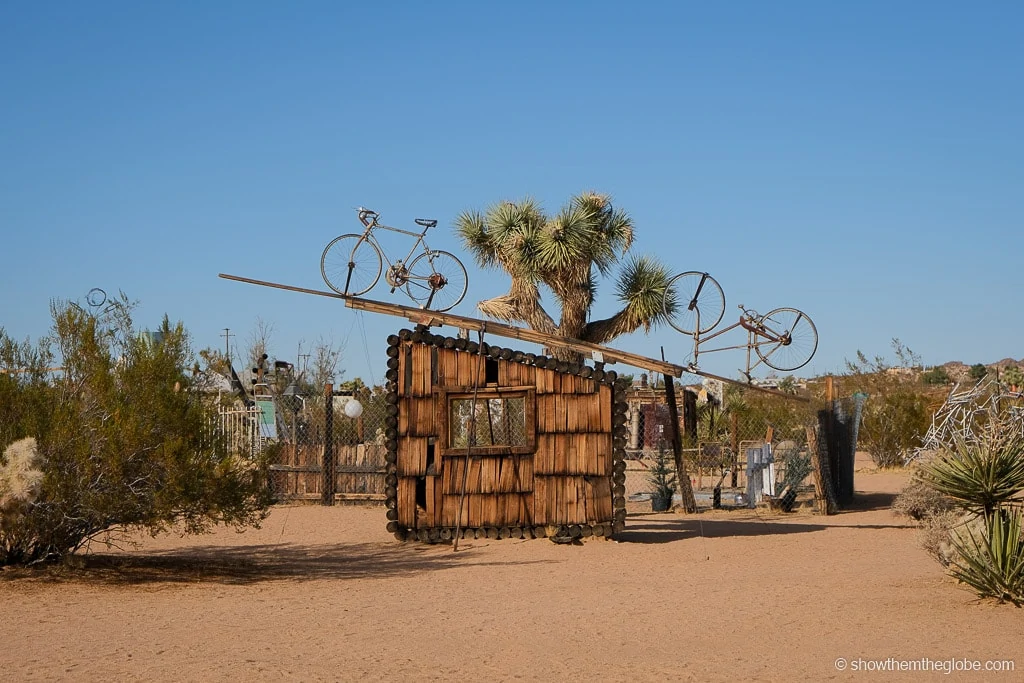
[{"x": 960, "y": 372}]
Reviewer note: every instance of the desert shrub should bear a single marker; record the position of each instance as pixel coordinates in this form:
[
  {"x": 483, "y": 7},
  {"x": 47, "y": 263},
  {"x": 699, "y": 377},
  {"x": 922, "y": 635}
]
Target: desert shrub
[
  {"x": 936, "y": 535},
  {"x": 920, "y": 501},
  {"x": 121, "y": 439},
  {"x": 897, "y": 413}
]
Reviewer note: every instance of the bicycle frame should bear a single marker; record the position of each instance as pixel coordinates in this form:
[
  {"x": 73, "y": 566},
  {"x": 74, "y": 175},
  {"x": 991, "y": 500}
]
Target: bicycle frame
[
  {"x": 758, "y": 335},
  {"x": 374, "y": 225}
]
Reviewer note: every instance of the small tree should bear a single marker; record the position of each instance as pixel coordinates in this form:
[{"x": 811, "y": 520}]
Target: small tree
[
  {"x": 977, "y": 372},
  {"x": 662, "y": 477},
  {"x": 122, "y": 441}
]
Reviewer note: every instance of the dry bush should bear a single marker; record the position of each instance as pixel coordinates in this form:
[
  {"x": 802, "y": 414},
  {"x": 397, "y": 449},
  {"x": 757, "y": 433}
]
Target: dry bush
[
  {"x": 919, "y": 501},
  {"x": 936, "y": 535}
]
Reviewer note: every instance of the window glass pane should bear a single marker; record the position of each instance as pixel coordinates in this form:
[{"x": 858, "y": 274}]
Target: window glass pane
[{"x": 498, "y": 422}]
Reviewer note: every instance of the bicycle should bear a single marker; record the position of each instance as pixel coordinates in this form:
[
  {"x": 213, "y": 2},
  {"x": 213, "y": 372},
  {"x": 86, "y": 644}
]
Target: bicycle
[
  {"x": 352, "y": 264},
  {"x": 784, "y": 339}
]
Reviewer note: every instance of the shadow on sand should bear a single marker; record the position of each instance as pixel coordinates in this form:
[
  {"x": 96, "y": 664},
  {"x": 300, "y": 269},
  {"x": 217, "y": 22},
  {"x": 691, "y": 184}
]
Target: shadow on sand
[
  {"x": 258, "y": 563},
  {"x": 669, "y": 530},
  {"x": 663, "y": 529}
]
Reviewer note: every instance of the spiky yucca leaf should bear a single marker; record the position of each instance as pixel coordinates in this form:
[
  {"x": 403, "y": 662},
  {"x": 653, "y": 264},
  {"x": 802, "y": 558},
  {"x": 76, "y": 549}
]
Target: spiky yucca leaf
[
  {"x": 472, "y": 230},
  {"x": 992, "y": 562},
  {"x": 982, "y": 474},
  {"x": 566, "y": 243},
  {"x": 641, "y": 287}
]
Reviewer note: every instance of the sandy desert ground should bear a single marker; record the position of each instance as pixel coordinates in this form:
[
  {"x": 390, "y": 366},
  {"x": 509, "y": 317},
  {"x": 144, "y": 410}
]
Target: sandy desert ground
[{"x": 327, "y": 594}]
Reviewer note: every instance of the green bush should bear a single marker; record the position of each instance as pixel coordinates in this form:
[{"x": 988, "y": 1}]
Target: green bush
[
  {"x": 977, "y": 371},
  {"x": 122, "y": 439},
  {"x": 936, "y": 376}
]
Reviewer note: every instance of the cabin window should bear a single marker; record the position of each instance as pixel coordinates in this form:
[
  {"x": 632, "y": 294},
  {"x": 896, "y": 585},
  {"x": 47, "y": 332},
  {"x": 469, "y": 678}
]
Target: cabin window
[{"x": 495, "y": 422}]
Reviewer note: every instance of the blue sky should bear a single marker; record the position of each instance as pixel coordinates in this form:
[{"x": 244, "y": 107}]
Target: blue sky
[{"x": 863, "y": 162}]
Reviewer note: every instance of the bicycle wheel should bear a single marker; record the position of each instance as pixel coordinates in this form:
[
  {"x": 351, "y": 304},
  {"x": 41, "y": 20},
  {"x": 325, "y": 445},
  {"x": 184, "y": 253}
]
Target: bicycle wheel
[
  {"x": 693, "y": 300},
  {"x": 788, "y": 339},
  {"x": 437, "y": 280},
  {"x": 350, "y": 265}
]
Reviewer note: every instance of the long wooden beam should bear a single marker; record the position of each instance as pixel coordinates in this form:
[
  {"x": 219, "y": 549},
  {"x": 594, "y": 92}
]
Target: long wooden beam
[
  {"x": 595, "y": 351},
  {"x": 290, "y": 288},
  {"x": 420, "y": 316}
]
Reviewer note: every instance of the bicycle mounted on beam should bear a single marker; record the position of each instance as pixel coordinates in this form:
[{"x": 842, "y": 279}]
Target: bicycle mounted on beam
[
  {"x": 784, "y": 339},
  {"x": 351, "y": 265}
]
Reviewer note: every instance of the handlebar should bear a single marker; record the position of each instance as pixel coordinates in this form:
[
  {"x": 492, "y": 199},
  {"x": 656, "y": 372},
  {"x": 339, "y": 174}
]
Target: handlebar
[{"x": 364, "y": 213}]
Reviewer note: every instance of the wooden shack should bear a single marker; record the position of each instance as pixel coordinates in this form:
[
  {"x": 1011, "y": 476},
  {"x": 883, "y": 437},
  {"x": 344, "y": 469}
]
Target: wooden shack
[{"x": 487, "y": 441}]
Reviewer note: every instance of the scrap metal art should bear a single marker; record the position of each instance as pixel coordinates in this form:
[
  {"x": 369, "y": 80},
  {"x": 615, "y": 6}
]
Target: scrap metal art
[{"x": 970, "y": 415}]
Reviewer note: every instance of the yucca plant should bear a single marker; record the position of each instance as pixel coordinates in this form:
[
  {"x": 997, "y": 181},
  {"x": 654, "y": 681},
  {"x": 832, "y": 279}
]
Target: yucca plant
[
  {"x": 565, "y": 254},
  {"x": 980, "y": 468},
  {"x": 981, "y": 474},
  {"x": 992, "y": 562}
]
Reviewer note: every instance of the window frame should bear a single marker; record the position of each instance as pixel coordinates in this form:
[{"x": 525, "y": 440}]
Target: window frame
[{"x": 443, "y": 399}]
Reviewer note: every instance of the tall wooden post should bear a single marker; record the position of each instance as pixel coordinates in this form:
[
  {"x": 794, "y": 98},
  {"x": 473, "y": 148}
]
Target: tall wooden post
[
  {"x": 682, "y": 478},
  {"x": 327, "y": 485},
  {"x": 734, "y": 443}
]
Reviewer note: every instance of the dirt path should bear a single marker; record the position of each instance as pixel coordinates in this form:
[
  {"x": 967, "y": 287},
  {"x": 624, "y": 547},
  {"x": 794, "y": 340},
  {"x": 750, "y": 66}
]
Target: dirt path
[{"x": 326, "y": 594}]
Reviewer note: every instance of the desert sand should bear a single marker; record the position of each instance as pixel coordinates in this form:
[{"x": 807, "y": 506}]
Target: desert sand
[{"x": 327, "y": 594}]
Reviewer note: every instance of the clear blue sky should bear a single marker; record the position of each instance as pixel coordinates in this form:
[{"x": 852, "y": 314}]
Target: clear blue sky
[{"x": 861, "y": 161}]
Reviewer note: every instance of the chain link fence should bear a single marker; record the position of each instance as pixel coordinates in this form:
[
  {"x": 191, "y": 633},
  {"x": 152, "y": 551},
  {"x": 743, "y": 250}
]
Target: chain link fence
[{"x": 730, "y": 435}]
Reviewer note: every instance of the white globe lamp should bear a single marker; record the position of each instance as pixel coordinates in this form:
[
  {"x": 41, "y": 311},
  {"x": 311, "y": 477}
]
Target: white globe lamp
[{"x": 353, "y": 408}]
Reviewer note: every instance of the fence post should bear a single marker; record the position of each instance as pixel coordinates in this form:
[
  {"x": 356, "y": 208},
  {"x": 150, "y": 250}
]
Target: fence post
[
  {"x": 734, "y": 443},
  {"x": 682, "y": 477},
  {"x": 328, "y": 478}
]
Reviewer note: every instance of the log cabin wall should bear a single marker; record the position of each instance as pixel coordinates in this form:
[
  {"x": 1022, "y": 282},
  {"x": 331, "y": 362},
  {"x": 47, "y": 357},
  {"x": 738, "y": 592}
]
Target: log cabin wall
[{"x": 546, "y": 458}]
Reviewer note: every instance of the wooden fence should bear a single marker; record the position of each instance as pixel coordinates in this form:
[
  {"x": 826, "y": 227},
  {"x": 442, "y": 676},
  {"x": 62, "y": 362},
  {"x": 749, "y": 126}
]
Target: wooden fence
[{"x": 359, "y": 471}]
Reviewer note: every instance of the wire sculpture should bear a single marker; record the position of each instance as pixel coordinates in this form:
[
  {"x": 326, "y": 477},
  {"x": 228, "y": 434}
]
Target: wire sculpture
[{"x": 968, "y": 416}]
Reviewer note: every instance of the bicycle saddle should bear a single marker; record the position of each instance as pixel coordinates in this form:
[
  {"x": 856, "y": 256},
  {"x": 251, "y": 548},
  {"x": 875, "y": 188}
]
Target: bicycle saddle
[{"x": 426, "y": 222}]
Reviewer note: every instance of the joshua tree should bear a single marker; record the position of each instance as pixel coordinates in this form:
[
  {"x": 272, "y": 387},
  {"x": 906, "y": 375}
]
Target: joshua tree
[{"x": 561, "y": 253}]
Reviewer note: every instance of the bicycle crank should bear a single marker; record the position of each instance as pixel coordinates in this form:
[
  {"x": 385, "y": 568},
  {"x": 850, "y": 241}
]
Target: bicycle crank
[{"x": 396, "y": 276}]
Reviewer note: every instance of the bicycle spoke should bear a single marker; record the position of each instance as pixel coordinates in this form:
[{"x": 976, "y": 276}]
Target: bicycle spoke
[
  {"x": 350, "y": 265},
  {"x": 694, "y": 302},
  {"x": 787, "y": 339},
  {"x": 437, "y": 280}
]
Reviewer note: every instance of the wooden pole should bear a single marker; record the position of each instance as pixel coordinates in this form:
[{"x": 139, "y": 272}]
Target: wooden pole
[
  {"x": 327, "y": 469},
  {"x": 734, "y": 443},
  {"x": 682, "y": 478}
]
